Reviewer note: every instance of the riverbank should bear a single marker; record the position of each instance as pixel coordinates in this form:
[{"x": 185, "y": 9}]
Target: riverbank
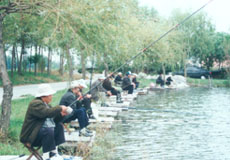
[
  {"x": 209, "y": 82},
  {"x": 12, "y": 146}
]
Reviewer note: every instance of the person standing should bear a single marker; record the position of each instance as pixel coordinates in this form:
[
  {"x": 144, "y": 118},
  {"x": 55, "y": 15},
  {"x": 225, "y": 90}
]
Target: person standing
[{"x": 41, "y": 126}]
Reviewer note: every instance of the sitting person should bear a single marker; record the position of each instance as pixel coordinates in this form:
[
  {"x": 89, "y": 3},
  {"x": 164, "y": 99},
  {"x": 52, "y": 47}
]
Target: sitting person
[
  {"x": 134, "y": 80},
  {"x": 127, "y": 85},
  {"x": 97, "y": 87},
  {"x": 86, "y": 100},
  {"x": 78, "y": 113},
  {"x": 107, "y": 84},
  {"x": 118, "y": 79},
  {"x": 42, "y": 125},
  {"x": 168, "y": 81},
  {"x": 160, "y": 81}
]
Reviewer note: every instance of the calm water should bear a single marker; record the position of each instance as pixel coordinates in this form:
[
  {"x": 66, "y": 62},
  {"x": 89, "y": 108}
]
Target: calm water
[{"x": 186, "y": 124}]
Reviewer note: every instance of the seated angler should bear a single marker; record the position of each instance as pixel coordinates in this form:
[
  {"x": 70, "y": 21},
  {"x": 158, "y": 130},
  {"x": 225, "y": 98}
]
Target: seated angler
[
  {"x": 42, "y": 125},
  {"x": 68, "y": 99},
  {"x": 107, "y": 84},
  {"x": 134, "y": 80},
  {"x": 127, "y": 84},
  {"x": 97, "y": 89},
  {"x": 86, "y": 100},
  {"x": 118, "y": 79},
  {"x": 168, "y": 81},
  {"x": 160, "y": 80}
]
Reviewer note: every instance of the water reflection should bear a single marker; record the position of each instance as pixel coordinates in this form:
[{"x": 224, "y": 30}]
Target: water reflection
[{"x": 188, "y": 124}]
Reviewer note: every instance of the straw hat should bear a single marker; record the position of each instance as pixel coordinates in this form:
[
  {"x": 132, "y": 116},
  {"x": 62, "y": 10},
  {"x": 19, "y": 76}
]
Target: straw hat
[{"x": 44, "y": 90}]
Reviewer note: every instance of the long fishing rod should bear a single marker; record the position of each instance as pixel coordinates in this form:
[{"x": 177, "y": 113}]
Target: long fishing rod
[
  {"x": 148, "y": 46},
  {"x": 91, "y": 76}
]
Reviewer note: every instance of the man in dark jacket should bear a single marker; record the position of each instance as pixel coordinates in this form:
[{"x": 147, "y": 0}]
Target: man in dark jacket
[
  {"x": 118, "y": 79},
  {"x": 41, "y": 126},
  {"x": 127, "y": 85},
  {"x": 160, "y": 80},
  {"x": 78, "y": 112},
  {"x": 108, "y": 86},
  {"x": 85, "y": 100}
]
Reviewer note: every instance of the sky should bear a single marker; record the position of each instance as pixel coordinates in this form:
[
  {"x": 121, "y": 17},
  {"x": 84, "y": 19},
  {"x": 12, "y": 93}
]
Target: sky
[{"x": 217, "y": 10}]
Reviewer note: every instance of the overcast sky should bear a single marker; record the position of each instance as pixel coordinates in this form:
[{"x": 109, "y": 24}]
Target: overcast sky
[{"x": 218, "y": 10}]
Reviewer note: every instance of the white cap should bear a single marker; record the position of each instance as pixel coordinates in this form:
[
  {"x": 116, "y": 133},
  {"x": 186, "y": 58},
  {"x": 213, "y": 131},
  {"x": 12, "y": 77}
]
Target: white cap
[
  {"x": 44, "y": 90},
  {"x": 134, "y": 74},
  {"x": 74, "y": 84},
  {"x": 82, "y": 83}
]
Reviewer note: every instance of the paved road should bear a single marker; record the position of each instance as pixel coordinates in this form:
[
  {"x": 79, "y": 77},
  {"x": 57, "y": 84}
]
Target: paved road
[{"x": 19, "y": 91}]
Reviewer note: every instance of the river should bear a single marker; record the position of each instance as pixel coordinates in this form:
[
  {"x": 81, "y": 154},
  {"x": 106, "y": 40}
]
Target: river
[{"x": 188, "y": 124}]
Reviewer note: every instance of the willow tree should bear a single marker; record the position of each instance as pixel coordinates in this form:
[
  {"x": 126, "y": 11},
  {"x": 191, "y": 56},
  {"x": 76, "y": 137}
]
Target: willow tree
[{"x": 9, "y": 7}]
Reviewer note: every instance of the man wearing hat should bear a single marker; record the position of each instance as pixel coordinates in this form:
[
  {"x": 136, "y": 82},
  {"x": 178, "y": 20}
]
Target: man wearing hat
[
  {"x": 127, "y": 84},
  {"x": 79, "y": 113},
  {"x": 85, "y": 100},
  {"x": 42, "y": 125}
]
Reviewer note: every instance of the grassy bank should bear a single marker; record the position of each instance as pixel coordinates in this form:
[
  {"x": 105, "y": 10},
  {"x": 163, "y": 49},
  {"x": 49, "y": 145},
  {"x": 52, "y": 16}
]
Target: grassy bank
[
  {"x": 30, "y": 78},
  {"x": 207, "y": 82},
  {"x": 193, "y": 82}
]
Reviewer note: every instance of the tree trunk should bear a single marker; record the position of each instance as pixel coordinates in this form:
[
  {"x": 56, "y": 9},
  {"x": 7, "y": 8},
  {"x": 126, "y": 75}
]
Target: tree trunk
[
  {"x": 16, "y": 64},
  {"x": 31, "y": 50},
  {"x": 13, "y": 61},
  {"x": 5, "y": 58},
  {"x": 22, "y": 52},
  {"x": 35, "y": 62},
  {"x": 70, "y": 64},
  {"x": 163, "y": 69},
  {"x": 106, "y": 65},
  {"x": 83, "y": 65},
  {"x": 49, "y": 61},
  {"x": 7, "y": 90},
  {"x": 185, "y": 64},
  {"x": 61, "y": 69}
]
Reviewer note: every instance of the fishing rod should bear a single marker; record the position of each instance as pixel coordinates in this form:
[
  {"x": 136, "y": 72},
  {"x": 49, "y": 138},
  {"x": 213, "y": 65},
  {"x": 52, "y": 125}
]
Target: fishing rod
[
  {"x": 148, "y": 46},
  {"x": 91, "y": 76}
]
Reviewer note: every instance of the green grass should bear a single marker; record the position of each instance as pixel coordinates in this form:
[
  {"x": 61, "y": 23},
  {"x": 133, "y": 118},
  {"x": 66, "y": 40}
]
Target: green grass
[
  {"x": 207, "y": 82},
  {"x": 30, "y": 78},
  {"x": 12, "y": 145},
  {"x": 193, "y": 82},
  {"x": 145, "y": 82}
]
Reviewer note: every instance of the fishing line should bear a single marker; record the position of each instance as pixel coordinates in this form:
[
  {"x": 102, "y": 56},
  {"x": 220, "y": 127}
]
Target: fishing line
[{"x": 148, "y": 46}]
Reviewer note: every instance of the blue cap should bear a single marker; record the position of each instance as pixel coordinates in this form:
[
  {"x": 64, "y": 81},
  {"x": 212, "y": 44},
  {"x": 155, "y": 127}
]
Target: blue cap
[{"x": 128, "y": 73}]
